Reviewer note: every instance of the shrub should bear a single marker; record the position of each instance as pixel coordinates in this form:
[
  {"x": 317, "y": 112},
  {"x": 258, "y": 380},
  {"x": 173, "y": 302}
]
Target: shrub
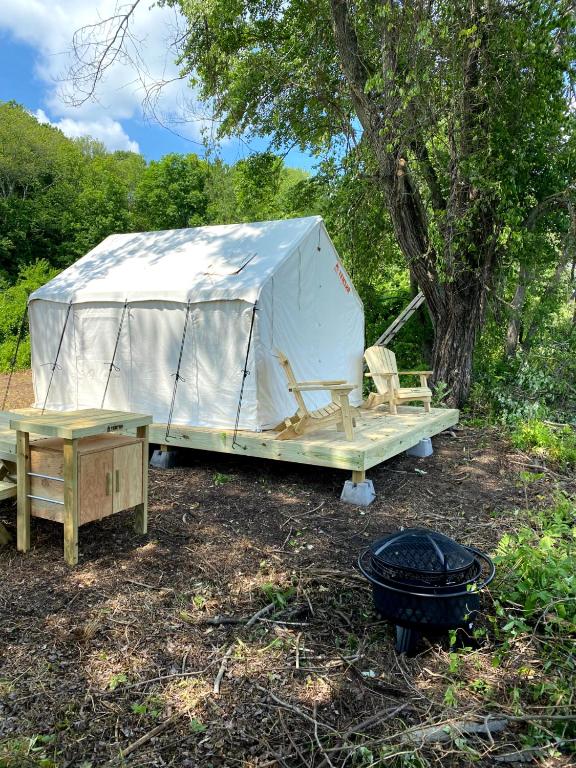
[
  {"x": 535, "y": 605},
  {"x": 538, "y": 572},
  {"x": 12, "y": 309},
  {"x": 554, "y": 444}
]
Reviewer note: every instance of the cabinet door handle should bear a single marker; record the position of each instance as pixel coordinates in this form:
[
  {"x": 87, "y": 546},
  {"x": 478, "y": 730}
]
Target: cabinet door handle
[
  {"x": 117, "y": 480},
  {"x": 108, "y": 483}
]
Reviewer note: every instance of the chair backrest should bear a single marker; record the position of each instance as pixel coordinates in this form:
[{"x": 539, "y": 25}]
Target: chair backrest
[
  {"x": 285, "y": 363},
  {"x": 382, "y": 360}
]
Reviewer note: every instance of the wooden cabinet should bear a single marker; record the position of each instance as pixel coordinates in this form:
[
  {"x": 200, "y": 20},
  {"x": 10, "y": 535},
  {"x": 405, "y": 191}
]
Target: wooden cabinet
[
  {"x": 86, "y": 468},
  {"x": 109, "y": 477}
]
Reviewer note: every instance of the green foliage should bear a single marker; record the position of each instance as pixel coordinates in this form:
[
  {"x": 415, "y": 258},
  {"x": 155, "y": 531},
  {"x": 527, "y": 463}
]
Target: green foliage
[
  {"x": 537, "y": 383},
  {"x": 171, "y": 193},
  {"x": 196, "y": 726},
  {"x": 553, "y": 444},
  {"x": 535, "y": 599},
  {"x": 277, "y": 595},
  {"x": 256, "y": 182},
  {"x": 537, "y": 572},
  {"x": 151, "y": 707},
  {"x": 441, "y": 392},
  {"x": 259, "y": 188},
  {"x": 525, "y": 663},
  {"x": 116, "y": 680},
  {"x": 39, "y": 175},
  {"x": 104, "y": 203},
  {"x": 28, "y": 752},
  {"x": 12, "y": 307},
  {"x": 220, "y": 478}
]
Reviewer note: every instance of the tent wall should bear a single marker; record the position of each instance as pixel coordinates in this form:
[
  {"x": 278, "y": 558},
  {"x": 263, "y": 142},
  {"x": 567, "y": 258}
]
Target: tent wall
[
  {"x": 310, "y": 311},
  {"x": 212, "y": 363},
  {"x": 45, "y": 332},
  {"x": 147, "y": 359}
]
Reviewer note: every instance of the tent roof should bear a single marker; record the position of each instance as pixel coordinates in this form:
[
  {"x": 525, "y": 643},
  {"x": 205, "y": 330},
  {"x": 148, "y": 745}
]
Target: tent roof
[{"x": 230, "y": 261}]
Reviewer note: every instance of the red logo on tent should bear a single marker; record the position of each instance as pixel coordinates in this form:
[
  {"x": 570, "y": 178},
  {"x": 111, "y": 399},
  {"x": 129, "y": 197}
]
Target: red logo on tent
[{"x": 340, "y": 272}]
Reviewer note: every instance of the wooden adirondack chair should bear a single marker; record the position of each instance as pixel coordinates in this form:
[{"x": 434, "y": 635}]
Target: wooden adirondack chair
[
  {"x": 338, "y": 412},
  {"x": 385, "y": 374}
]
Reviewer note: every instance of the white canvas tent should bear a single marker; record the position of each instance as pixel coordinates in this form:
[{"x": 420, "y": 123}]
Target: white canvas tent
[{"x": 127, "y": 301}]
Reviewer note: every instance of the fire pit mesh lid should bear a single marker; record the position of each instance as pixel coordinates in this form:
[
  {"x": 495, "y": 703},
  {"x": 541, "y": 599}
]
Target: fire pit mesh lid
[{"x": 423, "y": 554}]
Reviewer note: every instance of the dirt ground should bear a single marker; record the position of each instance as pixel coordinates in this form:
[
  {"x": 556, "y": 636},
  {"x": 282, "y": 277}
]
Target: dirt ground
[
  {"x": 16, "y": 390},
  {"x": 115, "y": 662}
]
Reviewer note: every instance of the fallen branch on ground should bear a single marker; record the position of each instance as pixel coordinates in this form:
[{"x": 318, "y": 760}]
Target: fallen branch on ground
[
  {"x": 370, "y": 722},
  {"x": 150, "y": 735},
  {"x": 262, "y": 612},
  {"x": 438, "y": 734},
  {"x": 224, "y": 663}
]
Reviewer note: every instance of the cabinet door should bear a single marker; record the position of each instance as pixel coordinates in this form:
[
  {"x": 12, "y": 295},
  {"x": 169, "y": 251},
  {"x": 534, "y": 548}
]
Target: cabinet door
[
  {"x": 127, "y": 476},
  {"x": 95, "y": 492}
]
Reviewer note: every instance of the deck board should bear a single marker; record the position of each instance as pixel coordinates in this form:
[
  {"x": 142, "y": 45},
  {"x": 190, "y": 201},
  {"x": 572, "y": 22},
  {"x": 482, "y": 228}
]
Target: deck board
[{"x": 377, "y": 437}]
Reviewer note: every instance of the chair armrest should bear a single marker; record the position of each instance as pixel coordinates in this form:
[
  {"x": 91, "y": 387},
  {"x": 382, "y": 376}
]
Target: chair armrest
[
  {"x": 415, "y": 373},
  {"x": 423, "y": 376},
  {"x": 321, "y": 382},
  {"x": 310, "y": 386},
  {"x": 377, "y": 373}
]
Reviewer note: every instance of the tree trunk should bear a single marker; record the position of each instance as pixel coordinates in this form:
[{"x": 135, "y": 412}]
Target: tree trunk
[
  {"x": 454, "y": 342},
  {"x": 555, "y": 280},
  {"x": 421, "y": 318},
  {"x": 456, "y": 305}
]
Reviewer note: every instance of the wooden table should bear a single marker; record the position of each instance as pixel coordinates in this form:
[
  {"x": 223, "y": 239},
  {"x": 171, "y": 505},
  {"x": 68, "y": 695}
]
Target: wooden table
[{"x": 97, "y": 470}]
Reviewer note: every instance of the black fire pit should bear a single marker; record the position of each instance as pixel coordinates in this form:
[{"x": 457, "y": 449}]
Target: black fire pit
[{"x": 425, "y": 582}]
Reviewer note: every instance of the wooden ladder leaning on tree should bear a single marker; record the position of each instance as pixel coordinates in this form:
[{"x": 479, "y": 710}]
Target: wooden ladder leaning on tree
[{"x": 338, "y": 412}]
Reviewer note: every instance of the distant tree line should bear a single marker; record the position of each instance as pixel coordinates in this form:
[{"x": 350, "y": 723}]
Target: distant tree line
[{"x": 59, "y": 197}]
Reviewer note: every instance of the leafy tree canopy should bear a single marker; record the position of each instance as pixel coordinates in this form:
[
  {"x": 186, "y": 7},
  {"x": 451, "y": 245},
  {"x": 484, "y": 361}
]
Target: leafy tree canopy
[{"x": 458, "y": 112}]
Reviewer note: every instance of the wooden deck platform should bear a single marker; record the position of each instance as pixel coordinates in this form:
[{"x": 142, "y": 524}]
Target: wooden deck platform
[{"x": 377, "y": 437}]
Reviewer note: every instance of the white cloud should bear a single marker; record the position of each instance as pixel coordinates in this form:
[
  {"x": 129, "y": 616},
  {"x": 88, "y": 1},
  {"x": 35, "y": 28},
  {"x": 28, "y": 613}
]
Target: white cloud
[
  {"x": 49, "y": 26},
  {"x": 106, "y": 130}
]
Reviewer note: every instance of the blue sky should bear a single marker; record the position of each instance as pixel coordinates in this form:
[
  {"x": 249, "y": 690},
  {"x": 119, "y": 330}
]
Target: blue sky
[{"x": 35, "y": 39}]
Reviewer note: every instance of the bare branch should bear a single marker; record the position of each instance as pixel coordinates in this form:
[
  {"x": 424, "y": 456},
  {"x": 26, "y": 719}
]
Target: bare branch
[{"x": 96, "y": 47}]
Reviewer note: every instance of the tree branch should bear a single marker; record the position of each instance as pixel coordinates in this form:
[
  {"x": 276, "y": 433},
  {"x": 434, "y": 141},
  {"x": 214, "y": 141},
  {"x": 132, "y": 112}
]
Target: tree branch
[
  {"x": 95, "y": 55},
  {"x": 354, "y": 68},
  {"x": 429, "y": 172},
  {"x": 557, "y": 199}
]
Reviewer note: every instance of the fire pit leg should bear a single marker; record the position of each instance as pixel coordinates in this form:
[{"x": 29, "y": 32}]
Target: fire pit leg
[
  {"x": 358, "y": 491},
  {"x": 406, "y": 640}
]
